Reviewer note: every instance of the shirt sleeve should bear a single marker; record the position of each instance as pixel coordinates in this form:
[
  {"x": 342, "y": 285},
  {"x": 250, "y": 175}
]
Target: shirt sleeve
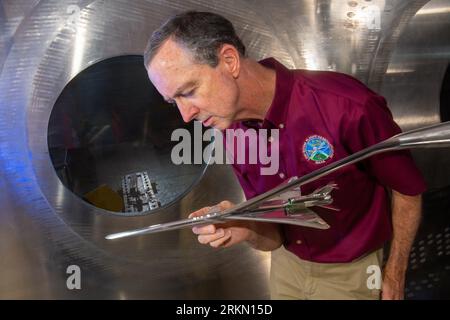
[{"x": 369, "y": 124}]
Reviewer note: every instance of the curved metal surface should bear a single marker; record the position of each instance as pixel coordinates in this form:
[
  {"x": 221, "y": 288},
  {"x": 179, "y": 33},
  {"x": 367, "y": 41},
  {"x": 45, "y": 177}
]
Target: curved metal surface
[
  {"x": 413, "y": 79},
  {"x": 45, "y": 228}
]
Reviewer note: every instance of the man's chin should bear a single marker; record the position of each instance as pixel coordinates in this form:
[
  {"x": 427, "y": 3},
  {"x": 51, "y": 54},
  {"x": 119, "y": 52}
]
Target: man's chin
[{"x": 221, "y": 125}]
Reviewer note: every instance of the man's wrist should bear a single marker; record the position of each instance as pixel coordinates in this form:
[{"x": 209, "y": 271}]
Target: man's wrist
[
  {"x": 396, "y": 265},
  {"x": 252, "y": 238}
]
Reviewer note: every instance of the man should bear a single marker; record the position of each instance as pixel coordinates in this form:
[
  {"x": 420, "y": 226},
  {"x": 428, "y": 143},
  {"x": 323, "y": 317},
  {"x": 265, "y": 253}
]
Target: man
[{"x": 196, "y": 61}]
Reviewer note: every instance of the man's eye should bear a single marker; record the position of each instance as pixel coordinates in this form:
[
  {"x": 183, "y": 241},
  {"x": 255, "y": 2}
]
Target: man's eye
[{"x": 188, "y": 94}]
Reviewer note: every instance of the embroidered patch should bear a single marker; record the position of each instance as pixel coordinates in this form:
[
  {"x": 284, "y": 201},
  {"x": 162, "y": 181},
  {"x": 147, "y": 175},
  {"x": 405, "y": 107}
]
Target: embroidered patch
[{"x": 318, "y": 149}]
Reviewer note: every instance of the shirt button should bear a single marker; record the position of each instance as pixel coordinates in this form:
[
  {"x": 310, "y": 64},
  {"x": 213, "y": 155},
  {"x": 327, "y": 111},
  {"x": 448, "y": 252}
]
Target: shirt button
[
  {"x": 281, "y": 126},
  {"x": 281, "y": 175},
  {"x": 298, "y": 242},
  {"x": 271, "y": 139}
]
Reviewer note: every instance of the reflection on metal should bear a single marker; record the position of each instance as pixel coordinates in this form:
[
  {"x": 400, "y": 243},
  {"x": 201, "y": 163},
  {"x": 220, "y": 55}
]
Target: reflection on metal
[
  {"x": 434, "y": 11},
  {"x": 429, "y": 137},
  {"x": 45, "y": 227},
  {"x": 139, "y": 193},
  {"x": 415, "y": 69}
]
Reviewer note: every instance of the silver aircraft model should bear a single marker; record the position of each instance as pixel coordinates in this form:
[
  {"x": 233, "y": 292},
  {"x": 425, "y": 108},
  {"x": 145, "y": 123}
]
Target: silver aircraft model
[{"x": 285, "y": 204}]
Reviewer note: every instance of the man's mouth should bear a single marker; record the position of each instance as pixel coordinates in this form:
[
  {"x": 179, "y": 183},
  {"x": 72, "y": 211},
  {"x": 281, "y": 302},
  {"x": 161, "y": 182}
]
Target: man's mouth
[{"x": 207, "y": 122}]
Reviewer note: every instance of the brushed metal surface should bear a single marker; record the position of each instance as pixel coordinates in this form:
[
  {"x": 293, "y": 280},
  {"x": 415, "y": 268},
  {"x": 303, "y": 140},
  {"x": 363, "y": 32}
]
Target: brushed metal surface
[
  {"x": 413, "y": 78},
  {"x": 44, "y": 227}
]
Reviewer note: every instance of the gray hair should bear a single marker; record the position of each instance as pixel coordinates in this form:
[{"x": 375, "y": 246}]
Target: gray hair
[{"x": 203, "y": 33}]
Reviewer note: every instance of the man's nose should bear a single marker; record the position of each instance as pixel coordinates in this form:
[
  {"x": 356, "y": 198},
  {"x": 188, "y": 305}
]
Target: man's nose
[{"x": 187, "y": 110}]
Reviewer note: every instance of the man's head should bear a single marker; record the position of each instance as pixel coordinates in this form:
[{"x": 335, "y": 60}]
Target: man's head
[
  {"x": 202, "y": 33},
  {"x": 193, "y": 59}
]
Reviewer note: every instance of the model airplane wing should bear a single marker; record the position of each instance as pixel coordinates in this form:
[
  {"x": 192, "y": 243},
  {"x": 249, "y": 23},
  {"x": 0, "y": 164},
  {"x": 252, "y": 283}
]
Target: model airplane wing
[{"x": 285, "y": 204}]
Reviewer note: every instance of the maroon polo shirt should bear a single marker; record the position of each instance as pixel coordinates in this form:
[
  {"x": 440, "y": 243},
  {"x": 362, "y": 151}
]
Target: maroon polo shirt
[{"x": 343, "y": 116}]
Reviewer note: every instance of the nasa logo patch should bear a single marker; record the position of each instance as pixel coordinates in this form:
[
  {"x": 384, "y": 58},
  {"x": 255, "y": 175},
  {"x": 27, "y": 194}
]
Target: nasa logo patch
[{"x": 318, "y": 149}]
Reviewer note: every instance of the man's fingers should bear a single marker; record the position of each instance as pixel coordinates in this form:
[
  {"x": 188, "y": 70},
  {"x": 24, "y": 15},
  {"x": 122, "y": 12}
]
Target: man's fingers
[
  {"x": 225, "y": 205},
  {"x": 208, "y": 238},
  {"x": 218, "y": 207},
  {"x": 217, "y": 243},
  {"x": 204, "y": 230},
  {"x": 200, "y": 212},
  {"x": 209, "y": 233}
]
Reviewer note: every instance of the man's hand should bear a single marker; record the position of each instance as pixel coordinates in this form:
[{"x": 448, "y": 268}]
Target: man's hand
[
  {"x": 224, "y": 234},
  {"x": 393, "y": 285},
  {"x": 259, "y": 235}
]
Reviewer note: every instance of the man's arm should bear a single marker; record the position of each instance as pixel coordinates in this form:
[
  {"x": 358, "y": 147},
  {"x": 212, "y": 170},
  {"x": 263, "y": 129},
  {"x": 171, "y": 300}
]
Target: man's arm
[{"x": 406, "y": 215}]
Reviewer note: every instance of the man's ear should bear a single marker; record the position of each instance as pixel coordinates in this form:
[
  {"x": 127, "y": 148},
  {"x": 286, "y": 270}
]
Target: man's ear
[{"x": 229, "y": 57}]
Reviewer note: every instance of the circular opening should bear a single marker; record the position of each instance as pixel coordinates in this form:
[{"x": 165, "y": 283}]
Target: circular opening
[{"x": 109, "y": 138}]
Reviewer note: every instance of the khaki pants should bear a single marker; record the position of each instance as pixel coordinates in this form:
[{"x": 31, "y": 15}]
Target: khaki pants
[{"x": 294, "y": 278}]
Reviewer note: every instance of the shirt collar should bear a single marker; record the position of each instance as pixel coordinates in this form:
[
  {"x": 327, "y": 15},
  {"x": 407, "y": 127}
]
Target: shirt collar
[{"x": 276, "y": 114}]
